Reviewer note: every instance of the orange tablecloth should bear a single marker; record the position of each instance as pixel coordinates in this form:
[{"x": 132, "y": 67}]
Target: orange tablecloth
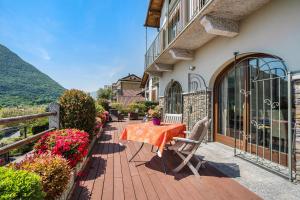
[{"x": 151, "y": 134}]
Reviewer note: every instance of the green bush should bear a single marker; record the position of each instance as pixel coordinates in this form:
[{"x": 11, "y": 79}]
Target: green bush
[
  {"x": 53, "y": 170},
  {"x": 140, "y": 107},
  {"x": 99, "y": 109},
  {"x": 118, "y": 106},
  {"x": 77, "y": 110},
  {"x": 104, "y": 103},
  {"x": 149, "y": 104},
  {"x": 20, "y": 184}
]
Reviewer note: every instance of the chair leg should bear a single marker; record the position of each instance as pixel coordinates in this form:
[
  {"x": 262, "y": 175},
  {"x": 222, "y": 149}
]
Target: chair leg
[
  {"x": 200, "y": 163},
  {"x": 193, "y": 169},
  {"x": 185, "y": 160}
]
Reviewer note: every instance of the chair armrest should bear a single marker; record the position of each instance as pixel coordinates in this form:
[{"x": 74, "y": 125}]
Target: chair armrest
[
  {"x": 185, "y": 140},
  {"x": 187, "y": 132}
]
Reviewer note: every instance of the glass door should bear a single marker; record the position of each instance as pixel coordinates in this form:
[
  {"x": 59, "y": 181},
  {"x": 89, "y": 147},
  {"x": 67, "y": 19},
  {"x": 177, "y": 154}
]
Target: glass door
[
  {"x": 251, "y": 108},
  {"x": 231, "y": 106}
]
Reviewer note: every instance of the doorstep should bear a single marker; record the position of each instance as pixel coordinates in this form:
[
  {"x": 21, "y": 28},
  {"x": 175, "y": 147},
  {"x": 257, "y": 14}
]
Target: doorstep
[{"x": 260, "y": 181}]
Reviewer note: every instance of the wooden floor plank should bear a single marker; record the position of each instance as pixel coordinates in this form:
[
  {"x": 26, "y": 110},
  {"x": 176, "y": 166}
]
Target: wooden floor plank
[
  {"x": 108, "y": 188},
  {"x": 99, "y": 182},
  {"x": 149, "y": 189}
]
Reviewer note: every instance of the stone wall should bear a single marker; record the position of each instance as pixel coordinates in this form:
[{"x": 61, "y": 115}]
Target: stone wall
[
  {"x": 297, "y": 128},
  {"x": 161, "y": 103},
  {"x": 196, "y": 106}
]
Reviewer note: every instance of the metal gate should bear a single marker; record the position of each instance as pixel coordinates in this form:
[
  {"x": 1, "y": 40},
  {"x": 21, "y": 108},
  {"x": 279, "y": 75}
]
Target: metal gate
[
  {"x": 262, "y": 113},
  {"x": 197, "y": 99}
]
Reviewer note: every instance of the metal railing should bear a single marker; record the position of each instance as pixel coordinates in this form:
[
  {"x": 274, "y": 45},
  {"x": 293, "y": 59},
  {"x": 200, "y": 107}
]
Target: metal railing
[
  {"x": 53, "y": 116},
  {"x": 175, "y": 24}
]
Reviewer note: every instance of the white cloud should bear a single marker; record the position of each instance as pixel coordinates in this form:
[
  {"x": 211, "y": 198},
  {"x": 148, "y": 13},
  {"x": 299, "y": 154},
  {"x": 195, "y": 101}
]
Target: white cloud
[{"x": 44, "y": 54}]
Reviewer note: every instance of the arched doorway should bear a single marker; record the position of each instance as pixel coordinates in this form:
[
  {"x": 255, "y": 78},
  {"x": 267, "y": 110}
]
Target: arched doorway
[
  {"x": 251, "y": 109},
  {"x": 173, "y": 98}
]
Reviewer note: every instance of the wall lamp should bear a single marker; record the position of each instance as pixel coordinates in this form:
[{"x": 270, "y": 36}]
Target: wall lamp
[{"x": 192, "y": 68}]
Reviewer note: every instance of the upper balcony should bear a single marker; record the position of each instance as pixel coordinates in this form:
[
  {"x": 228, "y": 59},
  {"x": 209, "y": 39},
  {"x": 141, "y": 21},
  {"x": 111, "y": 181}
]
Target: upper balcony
[{"x": 192, "y": 23}]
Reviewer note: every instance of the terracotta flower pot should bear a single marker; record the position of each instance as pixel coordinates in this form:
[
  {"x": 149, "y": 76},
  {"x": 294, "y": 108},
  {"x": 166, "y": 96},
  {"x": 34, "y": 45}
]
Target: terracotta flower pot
[{"x": 156, "y": 121}]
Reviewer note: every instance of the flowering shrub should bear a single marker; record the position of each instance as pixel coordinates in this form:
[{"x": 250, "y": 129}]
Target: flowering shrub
[
  {"x": 72, "y": 144},
  {"x": 53, "y": 170},
  {"x": 154, "y": 113},
  {"x": 99, "y": 125},
  {"x": 20, "y": 184}
]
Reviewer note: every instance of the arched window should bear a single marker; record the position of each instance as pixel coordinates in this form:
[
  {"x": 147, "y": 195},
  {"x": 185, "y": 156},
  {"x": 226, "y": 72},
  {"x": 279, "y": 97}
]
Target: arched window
[{"x": 173, "y": 95}]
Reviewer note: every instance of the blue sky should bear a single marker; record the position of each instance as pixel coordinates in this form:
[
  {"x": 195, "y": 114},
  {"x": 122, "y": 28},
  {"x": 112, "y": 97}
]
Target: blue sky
[{"x": 82, "y": 44}]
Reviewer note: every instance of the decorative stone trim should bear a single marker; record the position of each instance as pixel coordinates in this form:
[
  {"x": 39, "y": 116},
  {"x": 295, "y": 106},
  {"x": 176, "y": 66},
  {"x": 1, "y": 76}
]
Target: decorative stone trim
[
  {"x": 297, "y": 126},
  {"x": 220, "y": 26}
]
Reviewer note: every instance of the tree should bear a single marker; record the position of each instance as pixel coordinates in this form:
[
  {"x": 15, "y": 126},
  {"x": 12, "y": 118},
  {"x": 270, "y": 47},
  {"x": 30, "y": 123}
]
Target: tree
[{"x": 104, "y": 93}]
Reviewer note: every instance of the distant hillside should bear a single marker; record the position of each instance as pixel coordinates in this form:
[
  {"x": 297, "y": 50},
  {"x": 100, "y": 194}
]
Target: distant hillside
[{"x": 23, "y": 84}]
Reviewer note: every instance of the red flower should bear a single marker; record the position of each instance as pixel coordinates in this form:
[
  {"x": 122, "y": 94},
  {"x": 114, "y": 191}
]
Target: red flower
[{"x": 72, "y": 144}]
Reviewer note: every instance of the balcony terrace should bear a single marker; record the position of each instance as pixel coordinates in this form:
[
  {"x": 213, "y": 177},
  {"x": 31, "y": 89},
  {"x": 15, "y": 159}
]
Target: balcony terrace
[
  {"x": 109, "y": 175},
  {"x": 191, "y": 24}
]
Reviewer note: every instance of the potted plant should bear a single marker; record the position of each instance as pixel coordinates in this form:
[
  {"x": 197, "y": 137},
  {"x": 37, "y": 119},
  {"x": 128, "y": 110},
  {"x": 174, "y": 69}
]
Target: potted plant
[{"x": 155, "y": 115}]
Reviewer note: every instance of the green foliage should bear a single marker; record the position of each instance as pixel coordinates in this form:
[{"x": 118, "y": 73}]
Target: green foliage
[
  {"x": 99, "y": 109},
  {"x": 104, "y": 93},
  {"x": 77, "y": 110},
  {"x": 104, "y": 103},
  {"x": 19, "y": 151},
  {"x": 138, "y": 107},
  {"x": 23, "y": 84},
  {"x": 118, "y": 106},
  {"x": 150, "y": 104},
  {"x": 20, "y": 184},
  {"x": 155, "y": 112},
  {"x": 54, "y": 171},
  {"x": 24, "y": 110}
]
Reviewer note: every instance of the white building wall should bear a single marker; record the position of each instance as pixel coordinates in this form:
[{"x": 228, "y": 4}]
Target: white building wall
[{"x": 274, "y": 29}]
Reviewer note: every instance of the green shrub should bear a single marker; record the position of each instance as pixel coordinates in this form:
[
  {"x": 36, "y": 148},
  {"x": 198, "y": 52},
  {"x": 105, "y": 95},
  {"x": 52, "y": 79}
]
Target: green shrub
[
  {"x": 99, "y": 109},
  {"x": 54, "y": 171},
  {"x": 20, "y": 184},
  {"x": 43, "y": 126},
  {"x": 118, "y": 106},
  {"x": 140, "y": 107},
  {"x": 77, "y": 110},
  {"x": 104, "y": 103},
  {"x": 149, "y": 104}
]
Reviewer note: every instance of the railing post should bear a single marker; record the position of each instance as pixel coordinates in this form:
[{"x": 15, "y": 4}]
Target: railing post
[{"x": 54, "y": 120}]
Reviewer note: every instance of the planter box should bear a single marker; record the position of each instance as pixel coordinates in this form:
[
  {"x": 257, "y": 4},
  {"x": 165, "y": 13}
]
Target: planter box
[{"x": 79, "y": 167}]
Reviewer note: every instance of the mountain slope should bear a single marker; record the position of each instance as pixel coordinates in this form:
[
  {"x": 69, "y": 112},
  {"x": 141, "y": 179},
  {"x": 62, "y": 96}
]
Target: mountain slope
[{"x": 23, "y": 84}]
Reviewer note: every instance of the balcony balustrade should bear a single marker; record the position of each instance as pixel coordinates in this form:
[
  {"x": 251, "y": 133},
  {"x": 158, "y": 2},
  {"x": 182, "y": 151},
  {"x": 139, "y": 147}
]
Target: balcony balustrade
[{"x": 180, "y": 13}]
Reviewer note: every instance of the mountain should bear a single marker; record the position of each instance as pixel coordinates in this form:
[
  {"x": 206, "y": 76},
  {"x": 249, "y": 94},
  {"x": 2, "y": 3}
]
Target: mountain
[{"x": 22, "y": 84}]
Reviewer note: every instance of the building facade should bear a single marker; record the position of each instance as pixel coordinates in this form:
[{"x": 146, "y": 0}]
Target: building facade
[
  {"x": 127, "y": 90},
  {"x": 150, "y": 87},
  {"x": 237, "y": 62}
]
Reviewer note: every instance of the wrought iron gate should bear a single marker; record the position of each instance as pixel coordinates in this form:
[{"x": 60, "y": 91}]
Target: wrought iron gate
[
  {"x": 197, "y": 99},
  {"x": 262, "y": 113}
]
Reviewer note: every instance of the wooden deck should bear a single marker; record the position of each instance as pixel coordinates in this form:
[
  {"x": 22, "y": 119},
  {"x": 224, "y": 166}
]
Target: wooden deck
[{"x": 109, "y": 175}]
